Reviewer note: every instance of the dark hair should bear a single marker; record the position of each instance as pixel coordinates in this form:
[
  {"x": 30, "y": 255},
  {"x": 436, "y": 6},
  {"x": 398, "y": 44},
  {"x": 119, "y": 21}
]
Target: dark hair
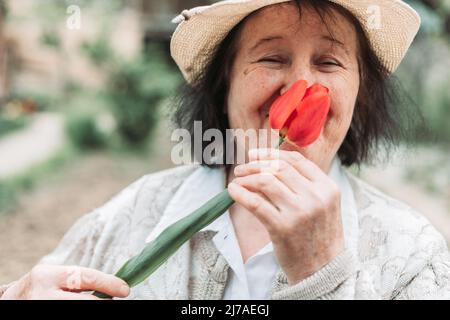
[{"x": 378, "y": 117}]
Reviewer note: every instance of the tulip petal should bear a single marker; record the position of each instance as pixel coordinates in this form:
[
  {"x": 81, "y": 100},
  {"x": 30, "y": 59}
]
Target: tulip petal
[
  {"x": 282, "y": 109},
  {"x": 316, "y": 88},
  {"x": 310, "y": 101},
  {"x": 307, "y": 126}
]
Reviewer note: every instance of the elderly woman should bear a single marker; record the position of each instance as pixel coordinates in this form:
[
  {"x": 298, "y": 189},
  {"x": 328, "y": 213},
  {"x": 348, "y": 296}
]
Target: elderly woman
[{"x": 307, "y": 230}]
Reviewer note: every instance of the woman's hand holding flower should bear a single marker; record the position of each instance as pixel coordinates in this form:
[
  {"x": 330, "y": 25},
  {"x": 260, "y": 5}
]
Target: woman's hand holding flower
[{"x": 297, "y": 203}]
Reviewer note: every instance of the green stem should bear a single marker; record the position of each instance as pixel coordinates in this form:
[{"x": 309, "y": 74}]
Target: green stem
[
  {"x": 280, "y": 142},
  {"x": 140, "y": 267}
]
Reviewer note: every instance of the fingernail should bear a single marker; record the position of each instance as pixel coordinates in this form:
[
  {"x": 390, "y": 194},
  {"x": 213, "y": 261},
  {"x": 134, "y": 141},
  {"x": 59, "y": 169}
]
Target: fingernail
[{"x": 232, "y": 185}]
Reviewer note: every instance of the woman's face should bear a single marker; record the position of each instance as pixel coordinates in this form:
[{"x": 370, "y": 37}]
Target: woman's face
[{"x": 275, "y": 48}]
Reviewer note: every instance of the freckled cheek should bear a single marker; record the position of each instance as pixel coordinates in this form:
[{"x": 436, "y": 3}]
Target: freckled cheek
[
  {"x": 242, "y": 111},
  {"x": 339, "y": 119},
  {"x": 246, "y": 97}
]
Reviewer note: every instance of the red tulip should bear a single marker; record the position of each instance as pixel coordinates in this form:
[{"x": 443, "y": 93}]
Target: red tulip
[{"x": 300, "y": 113}]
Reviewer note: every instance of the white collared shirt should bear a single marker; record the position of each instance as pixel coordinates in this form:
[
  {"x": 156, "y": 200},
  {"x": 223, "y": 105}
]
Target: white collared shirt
[{"x": 254, "y": 279}]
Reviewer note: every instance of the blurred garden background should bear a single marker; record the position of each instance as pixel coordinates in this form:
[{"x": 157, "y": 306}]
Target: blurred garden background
[{"x": 85, "y": 89}]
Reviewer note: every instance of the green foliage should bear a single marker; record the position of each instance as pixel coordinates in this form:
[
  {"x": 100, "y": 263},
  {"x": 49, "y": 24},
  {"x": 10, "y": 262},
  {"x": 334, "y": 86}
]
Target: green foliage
[
  {"x": 98, "y": 51},
  {"x": 7, "y": 197},
  {"x": 135, "y": 89},
  {"x": 425, "y": 74},
  {"x": 438, "y": 115},
  {"x": 50, "y": 39},
  {"x": 83, "y": 131},
  {"x": 11, "y": 188},
  {"x": 432, "y": 23},
  {"x": 3, "y": 8},
  {"x": 8, "y": 125},
  {"x": 43, "y": 100}
]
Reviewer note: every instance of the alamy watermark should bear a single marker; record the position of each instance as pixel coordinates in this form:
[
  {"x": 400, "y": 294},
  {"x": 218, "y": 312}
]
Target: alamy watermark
[
  {"x": 374, "y": 17},
  {"x": 213, "y": 147},
  {"x": 73, "y": 21}
]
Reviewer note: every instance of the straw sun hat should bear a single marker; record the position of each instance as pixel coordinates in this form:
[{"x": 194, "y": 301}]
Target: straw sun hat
[{"x": 200, "y": 30}]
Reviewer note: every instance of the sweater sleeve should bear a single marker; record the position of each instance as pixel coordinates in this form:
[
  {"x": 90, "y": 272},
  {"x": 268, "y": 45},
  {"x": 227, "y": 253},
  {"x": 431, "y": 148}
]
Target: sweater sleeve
[
  {"x": 78, "y": 244},
  {"x": 334, "y": 281}
]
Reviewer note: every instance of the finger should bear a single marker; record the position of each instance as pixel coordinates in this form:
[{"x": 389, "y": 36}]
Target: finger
[
  {"x": 256, "y": 204},
  {"x": 278, "y": 194},
  {"x": 284, "y": 171},
  {"x": 86, "y": 279},
  {"x": 307, "y": 168}
]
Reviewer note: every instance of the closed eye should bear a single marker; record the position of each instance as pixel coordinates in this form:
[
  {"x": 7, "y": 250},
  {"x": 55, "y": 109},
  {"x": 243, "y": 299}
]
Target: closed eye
[
  {"x": 331, "y": 63},
  {"x": 272, "y": 60}
]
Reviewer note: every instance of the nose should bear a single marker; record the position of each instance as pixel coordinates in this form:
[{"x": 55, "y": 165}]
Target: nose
[{"x": 297, "y": 73}]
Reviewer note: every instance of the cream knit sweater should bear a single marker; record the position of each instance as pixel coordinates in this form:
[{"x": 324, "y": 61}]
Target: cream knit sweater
[{"x": 398, "y": 254}]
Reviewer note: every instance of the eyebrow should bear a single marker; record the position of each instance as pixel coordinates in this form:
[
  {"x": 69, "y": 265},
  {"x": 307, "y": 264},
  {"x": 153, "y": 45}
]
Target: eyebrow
[
  {"x": 337, "y": 42},
  {"x": 264, "y": 40},
  {"x": 326, "y": 37}
]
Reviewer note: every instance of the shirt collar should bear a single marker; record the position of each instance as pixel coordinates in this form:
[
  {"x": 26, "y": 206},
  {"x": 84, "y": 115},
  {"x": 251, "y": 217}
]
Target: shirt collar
[{"x": 206, "y": 182}]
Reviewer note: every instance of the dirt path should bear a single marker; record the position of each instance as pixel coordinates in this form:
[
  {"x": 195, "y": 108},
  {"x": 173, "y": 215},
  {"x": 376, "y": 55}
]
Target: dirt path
[{"x": 37, "y": 142}]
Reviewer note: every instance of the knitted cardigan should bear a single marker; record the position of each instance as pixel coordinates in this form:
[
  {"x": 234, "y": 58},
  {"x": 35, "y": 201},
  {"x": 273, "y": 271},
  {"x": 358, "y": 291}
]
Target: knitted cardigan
[{"x": 398, "y": 253}]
